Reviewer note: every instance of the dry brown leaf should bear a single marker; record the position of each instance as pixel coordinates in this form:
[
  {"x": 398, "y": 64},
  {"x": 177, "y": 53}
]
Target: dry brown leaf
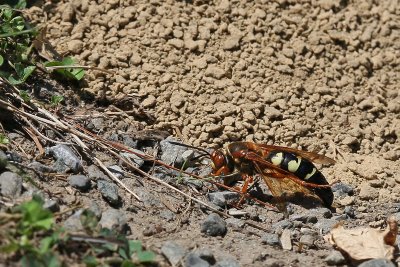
[{"x": 365, "y": 243}]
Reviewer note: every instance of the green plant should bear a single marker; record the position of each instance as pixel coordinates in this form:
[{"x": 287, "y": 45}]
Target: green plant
[
  {"x": 17, "y": 62},
  {"x": 30, "y": 234}
]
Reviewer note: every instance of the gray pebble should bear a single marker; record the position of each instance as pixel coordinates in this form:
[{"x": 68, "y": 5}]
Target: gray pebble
[
  {"x": 95, "y": 173},
  {"x": 284, "y": 224},
  {"x": 73, "y": 222},
  {"x": 114, "y": 220},
  {"x": 135, "y": 159},
  {"x": 172, "y": 154},
  {"x": 308, "y": 240},
  {"x": 128, "y": 141},
  {"x": 80, "y": 182},
  {"x": 10, "y": 184},
  {"x": 3, "y": 160},
  {"x": 228, "y": 262},
  {"x": 223, "y": 198},
  {"x": 377, "y": 263},
  {"x": 206, "y": 254},
  {"x": 51, "y": 205},
  {"x": 116, "y": 170},
  {"x": 187, "y": 155},
  {"x": 193, "y": 260},
  {"x": 350, "y": 211},
  {"x": 214, "y": 225},
  {"x": 173, "y": 252},
  {"x": 271, "y": 239},
  {"x": 325, "y": 225},
  {"x": 14, "y": 156},
  {"x": 95, "y": 208},
  {"x": 40, "y": 167},
  {"x": 65, "y": 158},
  {"x": 335, "y": 258},
  {"x": 109, "y": 191},
  {"x": 341, "y": 189}
]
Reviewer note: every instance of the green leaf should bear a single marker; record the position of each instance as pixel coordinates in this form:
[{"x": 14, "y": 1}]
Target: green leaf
[
  {"x": 127, "y": 263},
  {"x": 35, "y": 217},
  {"x": 134, "y": 246},
  {"x": 21, "y": 4},
  {"x": 67, "y": 72},
  {"x": 10, "y": 248},
  {"x": 1, "y": 60},
  {"x": 55, "y": 100},
  {"x": 4, "y": 139},
  {"x": 90, "y": 261},
  {"x": 146, "y": 256},
  {"x": 45, "y": 244},
  {"x": 24, "y": 95}
]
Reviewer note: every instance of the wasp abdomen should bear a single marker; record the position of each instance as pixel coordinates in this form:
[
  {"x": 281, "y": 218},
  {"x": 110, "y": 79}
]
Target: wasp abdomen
[{"x": 303, "y": 169}]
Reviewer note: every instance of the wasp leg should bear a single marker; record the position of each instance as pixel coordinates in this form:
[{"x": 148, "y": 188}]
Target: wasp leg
[
  {"x": 247, "y": 180},
  {"x": 223, "y": 170}
]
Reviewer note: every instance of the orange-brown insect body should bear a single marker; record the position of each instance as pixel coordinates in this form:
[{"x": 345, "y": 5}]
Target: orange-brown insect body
[{"x": 279, "y": 167}]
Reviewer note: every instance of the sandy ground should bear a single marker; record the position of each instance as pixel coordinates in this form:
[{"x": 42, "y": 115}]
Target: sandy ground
[{"x": 317, "y": 75}]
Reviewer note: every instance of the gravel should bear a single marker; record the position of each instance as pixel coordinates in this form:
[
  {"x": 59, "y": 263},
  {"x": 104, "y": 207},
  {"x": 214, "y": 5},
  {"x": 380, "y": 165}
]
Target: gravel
[{"x": 214, "y": 225}]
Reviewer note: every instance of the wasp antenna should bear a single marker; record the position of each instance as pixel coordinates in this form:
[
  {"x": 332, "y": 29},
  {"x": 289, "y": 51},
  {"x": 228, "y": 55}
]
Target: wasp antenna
[{"x": 189, "y": 146}]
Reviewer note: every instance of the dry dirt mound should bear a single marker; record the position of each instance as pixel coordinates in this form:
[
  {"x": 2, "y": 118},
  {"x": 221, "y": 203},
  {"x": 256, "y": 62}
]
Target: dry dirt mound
[{"x": 318, "y": 75}]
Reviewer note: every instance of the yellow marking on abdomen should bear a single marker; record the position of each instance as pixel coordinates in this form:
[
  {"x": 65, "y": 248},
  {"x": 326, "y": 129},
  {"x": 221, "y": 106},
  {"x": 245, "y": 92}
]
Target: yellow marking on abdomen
[
  {"x": 293, "y": 165},
  {"x": 277, "y": 159},
  {"x": 308, "y": 176}
]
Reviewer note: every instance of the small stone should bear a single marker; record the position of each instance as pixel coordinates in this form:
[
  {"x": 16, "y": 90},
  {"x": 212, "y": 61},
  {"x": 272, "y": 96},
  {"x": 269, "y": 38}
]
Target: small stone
[
  {"x": 223, "y": 198},
  {"x": 284, "y": 224},
  {"x": 214, "y": 72},
  {"x": 171, "y": 153},
  {"x": 335, "y": 258},
  {"x": 193, "y": 260},
  {"x": 40, "y": 167},
  {"x": 367, "y": 192},
  {"x": 350, "y": 211},
  {"x": 377, "y": 263},
  {"x": 73, "y": 222},
  {"x": 214, "y": 225},
  {"x": 173, "y": 252},
  {"x": 272, "y": 113},
  {"x": 3, "y": 160},
  {"x": 177, "y": 43},
  {"x": 14, "y": 156},
  {"x": 109, "y": 191},
  {"x": 80, "y": 182},
  {"x": 10, "y": 185},
  {"x": 232, "y": 42},
  {"x": 75, "y": 46},
  {"x": 341, "y": 189},
  {"x": 114, "y": 220},
  {"x": 135, "y": 59},
  {"x": 308, "y": 240},
  {"x": 286, "y": 240},
  {"x": 187, "y": 155},
  {"x": 65, "y": 158},
  {"x": 51, "y": 205},
  {"x": 149, "y": 102},
  {"x": 325, "y": 225},
  {"x": 271, "y": 239},
  {"x": 206, "y": 255},
  {"x": 135, "y": 159},
  {"x": 116, "y": 170}
]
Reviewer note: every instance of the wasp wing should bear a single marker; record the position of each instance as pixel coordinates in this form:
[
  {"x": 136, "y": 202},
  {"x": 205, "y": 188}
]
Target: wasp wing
[
  {"x": 311, "y": 156},
  {"x": 283, "y": 188}
]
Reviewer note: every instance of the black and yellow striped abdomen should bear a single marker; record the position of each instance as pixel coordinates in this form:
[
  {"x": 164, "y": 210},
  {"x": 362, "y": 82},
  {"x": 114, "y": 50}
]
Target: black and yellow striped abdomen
[{"x": 304, "y": 170}]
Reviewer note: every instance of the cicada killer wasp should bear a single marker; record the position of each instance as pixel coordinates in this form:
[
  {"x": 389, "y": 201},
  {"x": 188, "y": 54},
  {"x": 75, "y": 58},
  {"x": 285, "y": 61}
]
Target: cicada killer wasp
[{"x": 284, "y": 170}]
